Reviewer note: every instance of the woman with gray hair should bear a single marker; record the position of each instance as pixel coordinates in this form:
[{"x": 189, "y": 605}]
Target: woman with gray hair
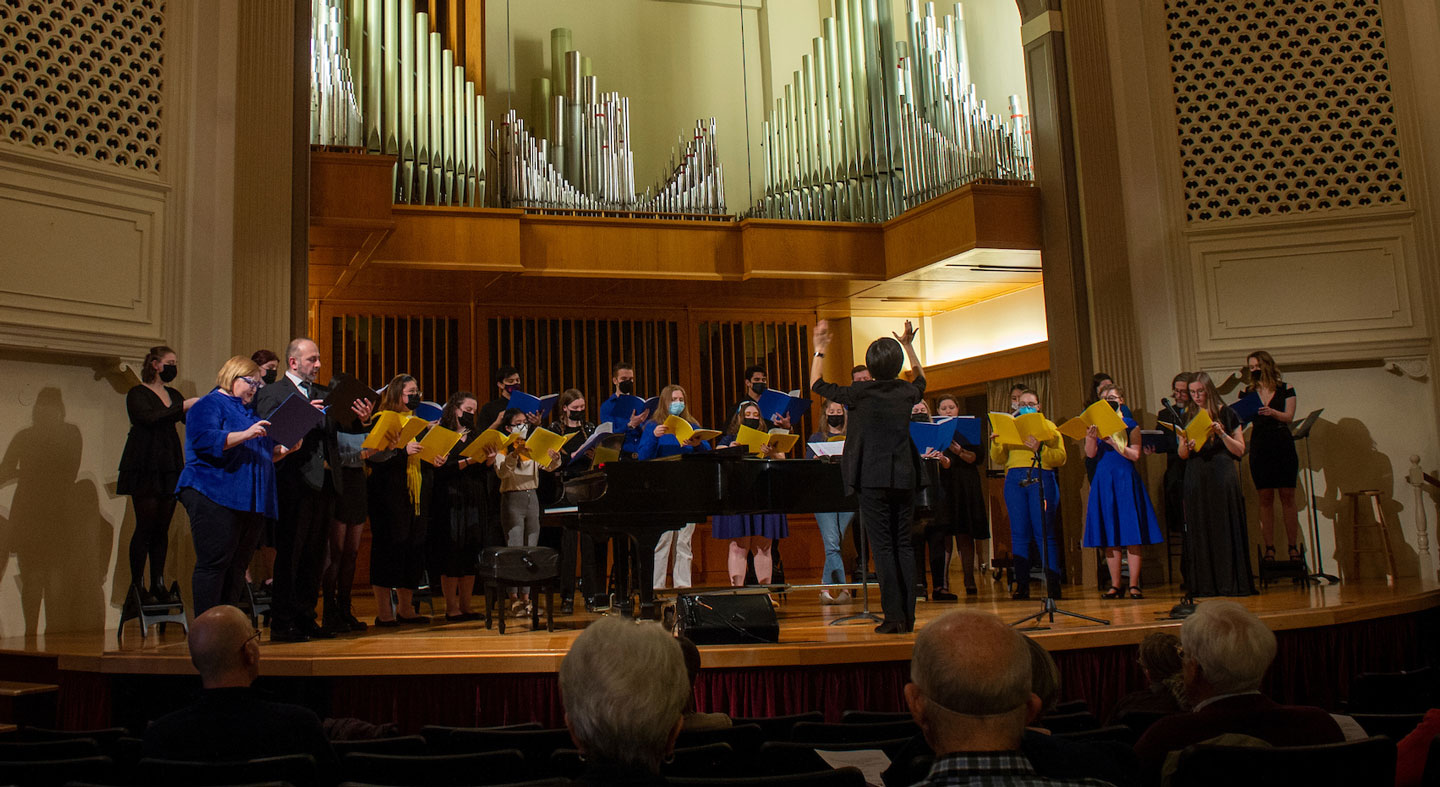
[{"x": 624, "y": 686}]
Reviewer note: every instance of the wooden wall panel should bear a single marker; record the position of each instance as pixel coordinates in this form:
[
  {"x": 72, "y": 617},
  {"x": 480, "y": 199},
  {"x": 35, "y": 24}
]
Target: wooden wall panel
[{"x": 375, "y": 342}]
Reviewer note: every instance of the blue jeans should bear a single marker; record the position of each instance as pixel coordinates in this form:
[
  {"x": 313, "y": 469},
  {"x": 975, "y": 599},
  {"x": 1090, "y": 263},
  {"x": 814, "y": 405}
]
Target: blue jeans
[
  {"x": 1023, "y": 505},
  {"x": 832, "y": 528}
]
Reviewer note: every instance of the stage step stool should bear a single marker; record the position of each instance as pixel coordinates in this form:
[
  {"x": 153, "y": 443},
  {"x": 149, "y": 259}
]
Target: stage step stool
[
  {"x": 1356, "y": 526},
  {"x": 257, "y": 604},
  {"x": 1295, "y": 570},
  {"x": 157, "y": 614},
  {"x": 28, "y": 704}
]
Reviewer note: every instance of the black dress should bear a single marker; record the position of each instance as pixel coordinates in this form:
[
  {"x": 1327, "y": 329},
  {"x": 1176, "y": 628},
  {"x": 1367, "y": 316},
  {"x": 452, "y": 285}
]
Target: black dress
[
  {"x": 397, "y": 529},
  {"x": 458, "y": 516},
  {"x": 1215, "y": 513},
  {"x": 152, "y": 460},
  {"x": 1273, "y": 461},
  {"x": 961, "y": 505}
]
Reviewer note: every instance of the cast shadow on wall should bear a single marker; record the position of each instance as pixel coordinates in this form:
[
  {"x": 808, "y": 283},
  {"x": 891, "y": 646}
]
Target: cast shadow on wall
[
  {"x": 1345, "y": 454},
  {"x": 60, "y": 541}
]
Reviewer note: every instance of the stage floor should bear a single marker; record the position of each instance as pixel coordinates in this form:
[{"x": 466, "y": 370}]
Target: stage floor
[{"x": 806, "y": 638}]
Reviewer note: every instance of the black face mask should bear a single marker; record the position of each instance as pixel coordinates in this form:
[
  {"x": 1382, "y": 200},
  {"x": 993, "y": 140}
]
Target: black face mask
[
  {"x": 753, "y": 423},
  {"x": 575, "y": 416},
  {"x": 467, "y": 421},
  {"x": 412, "y": 401},
  {"x": 1113, "y": 405},
  {"x": 626, "y": 387},
  {"x": 920, "y": 418},
  {"x": 1255, "y": 374},
  {"x": 759, "y": 388},
  {"x": 269, "y": 377},
  {"x": 168, "y": 372},
  {"x": 836, "y": 421}
]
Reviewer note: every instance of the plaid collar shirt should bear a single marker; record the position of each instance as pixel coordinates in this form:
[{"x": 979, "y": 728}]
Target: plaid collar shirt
[{"x": 993, "y": 769}]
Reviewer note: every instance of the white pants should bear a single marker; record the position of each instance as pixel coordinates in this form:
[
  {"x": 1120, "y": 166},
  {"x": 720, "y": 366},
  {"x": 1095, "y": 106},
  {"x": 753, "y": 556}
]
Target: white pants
[{"x": 682, "y": 539}]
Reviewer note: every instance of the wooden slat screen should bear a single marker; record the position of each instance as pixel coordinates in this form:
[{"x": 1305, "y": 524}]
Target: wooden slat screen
[
  {"x": 727, "y": 347},
  {"x": 555, "y": 354},
  {"x": 375, "y": 347}
]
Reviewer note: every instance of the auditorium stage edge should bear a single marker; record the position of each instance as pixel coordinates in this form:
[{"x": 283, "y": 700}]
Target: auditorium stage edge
[{"x": 806, "y": 639}]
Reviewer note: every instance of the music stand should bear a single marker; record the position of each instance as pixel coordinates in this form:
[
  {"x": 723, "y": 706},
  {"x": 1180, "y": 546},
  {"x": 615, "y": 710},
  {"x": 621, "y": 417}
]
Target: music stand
[
  {"x": 1301, "y": 431},
  {"x": 864, "y": 613},
  {"x": 1036, "y": 477}
]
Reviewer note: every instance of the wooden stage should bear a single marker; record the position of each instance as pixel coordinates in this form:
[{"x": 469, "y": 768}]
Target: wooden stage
[
  {"x": 476, "y": 676},
  {"x": 806, "y": 638}
]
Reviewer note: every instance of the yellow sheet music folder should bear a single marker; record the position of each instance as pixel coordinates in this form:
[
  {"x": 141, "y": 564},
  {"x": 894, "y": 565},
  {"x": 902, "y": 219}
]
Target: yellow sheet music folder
[
  {"x": 490, "y": 438},
  {"x": 539, "y": 444},
  {"x": 388, "y": 425},
  {"x": 1010, "y": 430},
  {"x": 1198, "y": 430},
  {"x": 439, "y": 441},
  {"x": 1101, "y": 416},
  {"x": 754, "y": 439},
  {"x": 684, "y": 431}
]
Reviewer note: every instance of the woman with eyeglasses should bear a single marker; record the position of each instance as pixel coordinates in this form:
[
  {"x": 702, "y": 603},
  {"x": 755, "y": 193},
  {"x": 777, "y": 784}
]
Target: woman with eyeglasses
[
  {"x": 1274, "y": 465},
  {"x": 1119, "y": 516},
  {"x": 399, "y": 492},
  {"x": 1031, "y": 497},
  {"x": 1214, "y": 503},
  {"x": 149, "y": 467},
  {"x": 228, "y": 483}
]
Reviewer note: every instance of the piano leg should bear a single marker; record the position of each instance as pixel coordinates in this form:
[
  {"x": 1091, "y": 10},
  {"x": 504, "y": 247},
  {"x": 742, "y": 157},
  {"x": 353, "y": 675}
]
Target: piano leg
[{"x": 645, "y": 543}]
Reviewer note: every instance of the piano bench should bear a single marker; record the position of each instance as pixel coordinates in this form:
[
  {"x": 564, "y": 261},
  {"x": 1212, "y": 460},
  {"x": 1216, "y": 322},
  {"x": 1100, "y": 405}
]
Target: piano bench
[{"x": 533, "y": 568}]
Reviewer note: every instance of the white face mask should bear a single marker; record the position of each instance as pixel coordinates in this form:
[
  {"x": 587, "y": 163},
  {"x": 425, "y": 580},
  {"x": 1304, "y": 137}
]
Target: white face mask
[{"x": 517, "y": 429}]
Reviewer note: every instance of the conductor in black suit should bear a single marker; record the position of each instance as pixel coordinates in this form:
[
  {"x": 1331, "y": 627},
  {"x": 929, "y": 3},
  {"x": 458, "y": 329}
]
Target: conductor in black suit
[
  {"x": 880, "y": 464},
  {"x": 308, "y": 482}
]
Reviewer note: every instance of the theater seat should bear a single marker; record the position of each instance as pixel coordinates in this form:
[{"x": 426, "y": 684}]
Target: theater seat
[
  {"x": 441, "y": 770},
  {"x": 1368, "y": 761},
  {"x": 840, "y": 777},
  {"x": 297, "y": 769}
]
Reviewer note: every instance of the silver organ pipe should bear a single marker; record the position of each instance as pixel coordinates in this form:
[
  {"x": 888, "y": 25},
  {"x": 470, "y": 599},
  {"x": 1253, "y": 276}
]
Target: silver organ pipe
[
  {"x": 406, "y": 137},
  {"x": 334, "y": 96},
  {"x": 422, "y": 108},
  {"x": 871, "y": 125}
]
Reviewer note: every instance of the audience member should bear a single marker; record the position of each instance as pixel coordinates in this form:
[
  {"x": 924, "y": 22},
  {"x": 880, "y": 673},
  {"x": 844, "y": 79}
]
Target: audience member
[
  {"x": 231, "y": 721},
  {"x": 1226, "y": 651},
  {"x": 694, "y": 719},
  {"x": 1414, "y": 750},
  {"x": 623, "y": 685},
  {"x": 970, "y": 692},
  {"x": 1160, "y": 661},
  {"x": 1060, "y": 757}
]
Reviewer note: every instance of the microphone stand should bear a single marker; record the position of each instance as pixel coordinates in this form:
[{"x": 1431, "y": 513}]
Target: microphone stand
[
  {"x": 1186, "y": 607},
  {"x": 1034, "y": 476}
]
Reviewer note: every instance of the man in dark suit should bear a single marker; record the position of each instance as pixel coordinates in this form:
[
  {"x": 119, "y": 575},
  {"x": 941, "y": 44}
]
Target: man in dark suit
[
  {"x": 880, "y": 464},
  {"x": 307, "y": 483},
  {"x": 231, "y": 721},
  {"x": 1226, "y": 652}
]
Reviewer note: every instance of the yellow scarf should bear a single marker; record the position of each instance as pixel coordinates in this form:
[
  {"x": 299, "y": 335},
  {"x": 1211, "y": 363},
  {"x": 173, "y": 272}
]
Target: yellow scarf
[{"x": 413, "y": 479}]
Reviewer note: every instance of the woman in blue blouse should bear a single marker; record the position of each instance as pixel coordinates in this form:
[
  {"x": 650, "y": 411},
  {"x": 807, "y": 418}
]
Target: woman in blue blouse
[
  {"x": 228, "y": 484},
  {"x": 656, "y": 441}
]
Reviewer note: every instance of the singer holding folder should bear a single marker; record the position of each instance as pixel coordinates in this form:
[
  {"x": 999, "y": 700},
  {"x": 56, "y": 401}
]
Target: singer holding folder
[
  {"x": 399, "y": 492},
  {"x": 1214, "y": 504},
  {"x": 880, "y": 462},
  {"x": 228, "y": 483},
  {"x": 962, "y": 496},
  {"x": 1274, "y": 465},
  {"x": 1029, "y": 475},
  {"x": 1119, "y": 516},
  {"x": 656, "y": 441},
  {"x": 832, "y": 524},
  {"x": 749, "y": 533}
]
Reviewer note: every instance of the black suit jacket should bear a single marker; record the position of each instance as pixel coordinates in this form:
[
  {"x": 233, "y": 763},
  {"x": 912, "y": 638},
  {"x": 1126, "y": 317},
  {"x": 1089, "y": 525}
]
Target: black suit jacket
[
  {"x": 878, "y": 451},
  {"x": 1248, "y": 714},
  {"x": 306, "y": 465}
]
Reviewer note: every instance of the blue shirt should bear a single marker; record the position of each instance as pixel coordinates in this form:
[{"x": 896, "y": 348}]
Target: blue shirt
[
  {"x": 621, "y": 423},
  {"x": 652, "y": 446},
  {"x": 241, "y": 478}
]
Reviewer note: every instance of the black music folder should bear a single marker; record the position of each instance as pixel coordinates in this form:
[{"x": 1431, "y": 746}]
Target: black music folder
[
  {"x": 294, "y": 419},
  {"x": 345, "y": 391}
]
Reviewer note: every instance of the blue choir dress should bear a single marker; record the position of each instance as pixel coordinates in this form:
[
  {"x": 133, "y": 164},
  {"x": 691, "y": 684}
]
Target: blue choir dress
[{"x": 1119, "y": 514}]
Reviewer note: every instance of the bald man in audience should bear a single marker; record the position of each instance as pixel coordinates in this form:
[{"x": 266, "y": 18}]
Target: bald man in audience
[
  {"x": 1225, "y": 652},
  {"x": 231, "y": 721},
  {"x": 970, "y": 693}
]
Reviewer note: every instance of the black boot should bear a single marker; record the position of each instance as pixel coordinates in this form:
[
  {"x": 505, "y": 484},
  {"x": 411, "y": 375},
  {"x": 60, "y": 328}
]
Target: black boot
[
  {"x": 1021, "y": 569},
  {"x": 348, "y": 616},
  {"x": 332, "y": 619},
  {"x": 1052, "y": 584}
]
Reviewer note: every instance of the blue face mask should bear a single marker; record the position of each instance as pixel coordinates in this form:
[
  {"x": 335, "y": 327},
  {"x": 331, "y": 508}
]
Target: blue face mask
[
  {"x": 676, "y": 408},
  {"x": 1026, "y": 410}
]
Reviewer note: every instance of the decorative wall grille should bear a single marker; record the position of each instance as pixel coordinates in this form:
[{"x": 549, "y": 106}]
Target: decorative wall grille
[
  {"x": 727, "y": 347},
  {"x": 84, "y": 78},
  {"x": 375, "y": 348},
  {"x": 1283, "y": 106}
]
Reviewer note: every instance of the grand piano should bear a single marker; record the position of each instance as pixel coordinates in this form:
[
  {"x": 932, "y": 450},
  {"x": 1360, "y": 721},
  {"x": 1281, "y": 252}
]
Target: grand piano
[{"x": 641, "y": 500}]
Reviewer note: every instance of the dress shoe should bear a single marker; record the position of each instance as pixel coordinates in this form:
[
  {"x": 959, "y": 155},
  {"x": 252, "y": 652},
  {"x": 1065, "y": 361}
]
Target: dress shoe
[
  {"x": 417, "y": 620},
  {"x": 890, "y": 627},
  {"x": 943, "y": 595},
  {"x": 288, "y": 635},
  {"x": 355, "y": 624},
  {"x": 1020, "y": 595},
  {"x": 387, "y": 624},
  {"x": 315, "y": 632},
  {"x": 971, "y": 590}
]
